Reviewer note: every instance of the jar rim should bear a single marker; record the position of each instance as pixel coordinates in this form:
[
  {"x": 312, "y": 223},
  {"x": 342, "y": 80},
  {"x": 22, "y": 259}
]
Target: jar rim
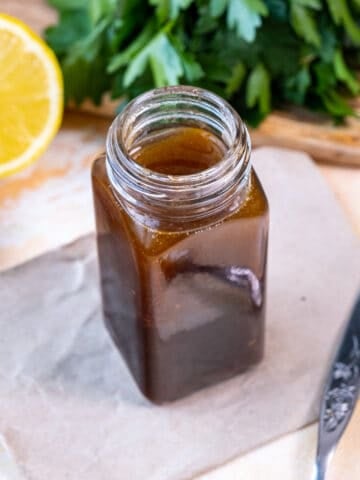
[
  {"x": 189, "y": 91},
  {"x": 197, "y": 190}
]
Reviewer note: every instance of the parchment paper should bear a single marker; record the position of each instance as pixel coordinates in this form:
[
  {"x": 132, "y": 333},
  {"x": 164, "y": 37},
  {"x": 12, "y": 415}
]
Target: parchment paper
[{"x": 68, "y": 407}]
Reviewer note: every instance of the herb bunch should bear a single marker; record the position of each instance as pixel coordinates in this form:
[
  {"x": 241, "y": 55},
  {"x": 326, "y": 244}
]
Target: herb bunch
[{"x": 258, "y": 54}]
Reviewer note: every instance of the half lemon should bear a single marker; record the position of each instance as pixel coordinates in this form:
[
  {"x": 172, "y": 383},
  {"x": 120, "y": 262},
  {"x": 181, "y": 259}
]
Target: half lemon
[{"x": 31, "y": 95}]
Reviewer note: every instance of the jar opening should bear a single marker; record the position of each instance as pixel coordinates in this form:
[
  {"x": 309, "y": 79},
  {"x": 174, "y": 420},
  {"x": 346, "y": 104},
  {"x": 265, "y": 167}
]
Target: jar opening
[
  {"x": 180, "y": 150},
  {"x": 173, "y": 117}
]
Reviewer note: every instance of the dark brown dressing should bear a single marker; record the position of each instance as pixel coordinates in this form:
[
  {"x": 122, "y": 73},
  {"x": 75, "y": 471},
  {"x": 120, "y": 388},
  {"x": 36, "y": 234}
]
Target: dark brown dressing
[
  {"x": 186, "y": 309},
  {"x": 180, "y": 151}
]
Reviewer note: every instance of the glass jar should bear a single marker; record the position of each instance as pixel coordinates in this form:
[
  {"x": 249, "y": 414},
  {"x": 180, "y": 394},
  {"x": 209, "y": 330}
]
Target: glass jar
[{"x": 182, "y": 228}]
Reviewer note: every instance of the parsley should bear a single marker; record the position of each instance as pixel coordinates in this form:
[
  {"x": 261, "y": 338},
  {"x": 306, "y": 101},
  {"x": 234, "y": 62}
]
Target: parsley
[{"x": 258, "y": 54}]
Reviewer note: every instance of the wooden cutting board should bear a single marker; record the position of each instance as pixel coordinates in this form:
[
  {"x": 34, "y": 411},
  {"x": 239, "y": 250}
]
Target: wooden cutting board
[{"x": 338, "y": 145}]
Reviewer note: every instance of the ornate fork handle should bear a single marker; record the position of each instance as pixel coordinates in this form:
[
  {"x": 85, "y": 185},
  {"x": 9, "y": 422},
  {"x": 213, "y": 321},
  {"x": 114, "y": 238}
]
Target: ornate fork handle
[{"x": 340, "y": 395}]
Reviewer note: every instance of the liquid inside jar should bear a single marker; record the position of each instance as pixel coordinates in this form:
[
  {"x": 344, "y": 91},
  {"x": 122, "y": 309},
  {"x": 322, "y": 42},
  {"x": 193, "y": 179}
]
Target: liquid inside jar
[
  {"x": 179, "y": 151},
  {"x": 185, "y": 308}
]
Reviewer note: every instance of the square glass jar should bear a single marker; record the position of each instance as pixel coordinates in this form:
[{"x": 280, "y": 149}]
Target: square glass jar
[{"x": 183, "y": 246}]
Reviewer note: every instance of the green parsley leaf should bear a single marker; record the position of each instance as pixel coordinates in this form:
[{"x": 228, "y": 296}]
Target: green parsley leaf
[
  {"x": 83, "y": 79},
  {"x": 88, "y": 47},
  {"x": 344, "y": 74},
  {"x": 297, "y": 86},
  {"x": 245, "y": 17},
  {"x": 99, "y": 9},
  {"x": 336, "y": 104},
  {"x": 207, "y": 22},
  {"x": 258, "y": 89},
  {"x": 192, "y": 68},
  {"x": 84, "y": 65},
  {"x": 218, "y": 7},
  {"x": 140, "y": 42},
  {"x": 325, "y": 76},
  {"x": 329, "y": 40},
  {"x": 242, "y": 15},
  {"x": 304, "y": 24},
  {"x": 281, "y": 52},
  {"x": 164, "y": 60},
  {"x": 235, "y": 80},
  {"x": 72, "y": 27},
  {"x": 169, "y": 9},
  {"x": 340, "y": 12}
]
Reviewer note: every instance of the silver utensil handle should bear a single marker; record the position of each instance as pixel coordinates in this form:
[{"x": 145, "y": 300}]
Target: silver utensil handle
[
  {"x": 340, "y": 394},
  {"x": 321, "y": 464},
  {"x": 319, "y": 473}
]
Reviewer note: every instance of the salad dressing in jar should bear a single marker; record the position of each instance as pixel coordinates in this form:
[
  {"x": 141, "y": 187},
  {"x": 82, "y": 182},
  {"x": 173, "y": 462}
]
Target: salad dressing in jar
[{"x": 182, "y": 227}]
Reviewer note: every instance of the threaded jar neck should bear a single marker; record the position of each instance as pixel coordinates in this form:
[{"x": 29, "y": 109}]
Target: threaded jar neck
[{"x": 175, "y": 202}]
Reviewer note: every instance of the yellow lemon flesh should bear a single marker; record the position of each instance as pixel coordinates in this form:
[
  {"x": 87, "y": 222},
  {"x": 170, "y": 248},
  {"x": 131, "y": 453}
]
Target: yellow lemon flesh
[{"x": 31, "y": 95}]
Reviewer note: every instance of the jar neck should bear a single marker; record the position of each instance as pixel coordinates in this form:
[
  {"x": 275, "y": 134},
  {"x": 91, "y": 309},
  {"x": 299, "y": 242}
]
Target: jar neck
[{"x": 178, "y": 202}]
